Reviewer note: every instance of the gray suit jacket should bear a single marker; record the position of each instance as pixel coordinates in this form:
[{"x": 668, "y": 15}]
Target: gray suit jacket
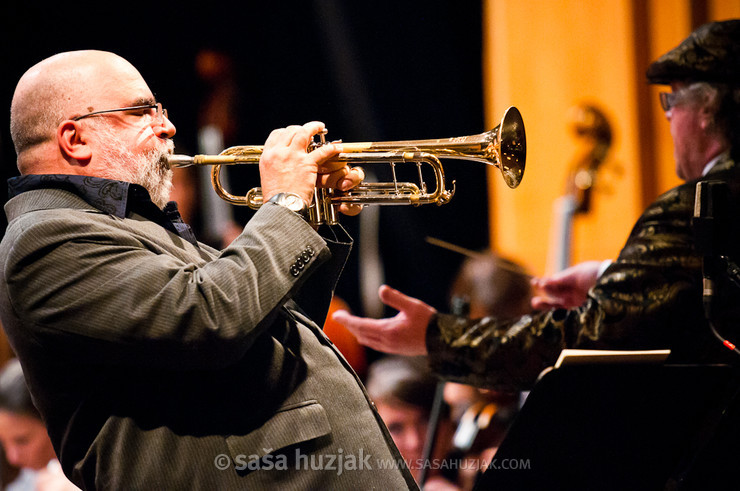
[{"x": 157, "y": 364}]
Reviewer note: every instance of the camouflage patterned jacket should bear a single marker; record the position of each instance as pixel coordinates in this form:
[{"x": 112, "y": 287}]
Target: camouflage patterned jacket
[{"x": 649, "y": 298}]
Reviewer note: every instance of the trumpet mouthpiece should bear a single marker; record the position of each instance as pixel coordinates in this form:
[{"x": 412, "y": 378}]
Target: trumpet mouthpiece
[{"x": 180, "y": 160}]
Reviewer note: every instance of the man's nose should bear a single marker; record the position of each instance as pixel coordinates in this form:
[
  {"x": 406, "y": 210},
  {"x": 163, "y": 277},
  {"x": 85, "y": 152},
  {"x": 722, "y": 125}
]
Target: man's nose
[
  {"x": 13, "y": 456},
  {"x": 165, "y": 128}
]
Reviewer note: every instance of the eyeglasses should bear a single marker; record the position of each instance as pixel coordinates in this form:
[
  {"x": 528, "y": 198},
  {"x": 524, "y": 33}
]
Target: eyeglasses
[
  {"x": 161, "y": 113},
  {"x": 668, "y": 100}
]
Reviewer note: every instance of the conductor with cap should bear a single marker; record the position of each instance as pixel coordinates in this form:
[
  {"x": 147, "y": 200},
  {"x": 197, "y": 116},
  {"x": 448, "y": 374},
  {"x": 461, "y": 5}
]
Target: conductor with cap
[{"x": 650, "y": 297}]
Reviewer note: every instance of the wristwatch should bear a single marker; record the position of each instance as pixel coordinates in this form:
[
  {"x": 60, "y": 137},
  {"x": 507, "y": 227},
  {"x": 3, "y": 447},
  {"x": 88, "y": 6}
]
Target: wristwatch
[{"x": 291, "y": 201}]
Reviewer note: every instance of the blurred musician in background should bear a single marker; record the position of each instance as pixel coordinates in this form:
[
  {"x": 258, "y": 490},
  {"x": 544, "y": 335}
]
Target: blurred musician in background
[
  {"x": 650, "y": 297},
  {"x": 403, "y": 390},
  {"x": 23, "y": 436},
  {"x": 486, "y": 284}
]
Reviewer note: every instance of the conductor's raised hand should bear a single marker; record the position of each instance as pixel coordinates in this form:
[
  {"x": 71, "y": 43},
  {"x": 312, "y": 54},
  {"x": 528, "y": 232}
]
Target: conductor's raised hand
[
  {"x": 286, "y": 165},
  {"x": 403, "y": 334}
]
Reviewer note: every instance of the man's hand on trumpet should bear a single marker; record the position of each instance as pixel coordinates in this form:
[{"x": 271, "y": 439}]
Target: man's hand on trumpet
[
  {"x": 287, "y": 166},
  {"x": 342, "y": 177}
]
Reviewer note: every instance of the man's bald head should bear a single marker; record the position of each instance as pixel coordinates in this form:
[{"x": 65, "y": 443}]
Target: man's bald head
[{"x": 60, "y": 87}]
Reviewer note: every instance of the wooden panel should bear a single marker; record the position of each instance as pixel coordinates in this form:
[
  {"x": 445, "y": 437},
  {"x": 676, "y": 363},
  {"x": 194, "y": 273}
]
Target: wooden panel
[
  {"x": 669, "y": 22},
  {"x": 723, "y": 9},
  {"x": 545, "y": 57}
]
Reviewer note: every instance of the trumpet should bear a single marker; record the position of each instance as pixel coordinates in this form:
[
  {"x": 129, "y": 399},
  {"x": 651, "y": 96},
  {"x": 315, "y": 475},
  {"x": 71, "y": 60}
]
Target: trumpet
[{"x": 503, "y": 147}]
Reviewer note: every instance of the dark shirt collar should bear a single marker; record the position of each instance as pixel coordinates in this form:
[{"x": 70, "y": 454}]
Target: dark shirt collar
[{"x": 117, "y": 198}]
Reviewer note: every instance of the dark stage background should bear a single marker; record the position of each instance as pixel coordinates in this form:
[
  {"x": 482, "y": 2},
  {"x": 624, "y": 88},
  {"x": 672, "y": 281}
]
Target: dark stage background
[{"x": 370, "y": 70}]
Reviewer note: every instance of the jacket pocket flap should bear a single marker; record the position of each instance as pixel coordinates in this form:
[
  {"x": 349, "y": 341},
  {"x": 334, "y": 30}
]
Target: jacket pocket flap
[{"x": 289, "y": 426}]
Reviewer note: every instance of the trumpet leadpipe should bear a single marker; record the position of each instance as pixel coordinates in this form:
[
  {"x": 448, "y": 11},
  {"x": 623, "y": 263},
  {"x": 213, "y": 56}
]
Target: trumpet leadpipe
[{"x": 224, "y": 158}]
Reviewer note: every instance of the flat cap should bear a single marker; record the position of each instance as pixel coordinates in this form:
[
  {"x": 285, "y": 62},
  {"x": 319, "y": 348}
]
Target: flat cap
[{"x": 710, "y": 54}]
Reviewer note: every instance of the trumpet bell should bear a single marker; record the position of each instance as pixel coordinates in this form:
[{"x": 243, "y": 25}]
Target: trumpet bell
[
  {"x": 505, "y": 147},
  {"x": 512, "y": 147}
]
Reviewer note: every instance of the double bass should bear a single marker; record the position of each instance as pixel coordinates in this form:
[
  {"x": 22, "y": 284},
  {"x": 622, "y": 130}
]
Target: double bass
[{"x": 594, "y": 135}]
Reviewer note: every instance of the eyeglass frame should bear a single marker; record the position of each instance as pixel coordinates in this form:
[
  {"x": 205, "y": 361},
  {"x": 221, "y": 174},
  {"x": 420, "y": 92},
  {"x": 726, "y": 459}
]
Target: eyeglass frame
[
  {"x": 668, "y": 100},
  {"x": 161, "y": 111}
]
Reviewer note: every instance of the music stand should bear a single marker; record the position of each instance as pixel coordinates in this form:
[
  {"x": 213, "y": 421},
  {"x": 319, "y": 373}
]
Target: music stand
[{"x": 617, "y": 426}]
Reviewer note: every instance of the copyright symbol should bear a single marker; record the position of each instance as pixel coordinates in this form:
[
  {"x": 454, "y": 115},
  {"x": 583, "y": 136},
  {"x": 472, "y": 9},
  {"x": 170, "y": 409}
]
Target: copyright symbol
[{"x": 222, "y": 462}]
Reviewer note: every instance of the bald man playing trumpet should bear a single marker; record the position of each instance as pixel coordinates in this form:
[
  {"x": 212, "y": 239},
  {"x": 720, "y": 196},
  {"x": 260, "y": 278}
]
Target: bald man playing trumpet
[{"x": 156, "y": 361}]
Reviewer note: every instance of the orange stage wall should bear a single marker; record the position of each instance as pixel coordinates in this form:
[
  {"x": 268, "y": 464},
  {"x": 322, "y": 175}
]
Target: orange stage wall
[{"x": 545, "y": 57}]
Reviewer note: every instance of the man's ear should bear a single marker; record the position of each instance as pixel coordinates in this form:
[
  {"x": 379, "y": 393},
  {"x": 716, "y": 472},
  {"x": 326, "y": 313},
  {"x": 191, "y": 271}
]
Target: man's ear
[
  {"x": 707, "y": 114},
  {"x": 72, "y": 143}
]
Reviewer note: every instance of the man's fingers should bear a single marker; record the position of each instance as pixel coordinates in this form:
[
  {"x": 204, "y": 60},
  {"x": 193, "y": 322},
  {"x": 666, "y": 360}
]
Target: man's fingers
[
  {"x": 283, "y": 136},
  {"x": 541, "y": 303},
  {"x": 322, "y": 156},
  {"x": 300, "y": 136},
  {"x": 331, "y": 179},
  {"x": 350, "y": 209},
  {"x": 340, "y": 177},
  {"x": 403, "y": 333},
  {"x": 395, "y": 299},
  {"x": 359, "y": 172},
  {"x": 355, "y": 323},
  {"x": 548, "y": 302},
  {"x": 369, "y": 332},
  {"x": 353, "y": 178},
  {"x": 303, "y": 134}
]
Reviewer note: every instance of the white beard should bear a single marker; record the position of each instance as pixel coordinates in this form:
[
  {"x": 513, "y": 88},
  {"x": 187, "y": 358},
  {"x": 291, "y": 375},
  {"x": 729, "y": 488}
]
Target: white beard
[{"x": 148, "y": 169}]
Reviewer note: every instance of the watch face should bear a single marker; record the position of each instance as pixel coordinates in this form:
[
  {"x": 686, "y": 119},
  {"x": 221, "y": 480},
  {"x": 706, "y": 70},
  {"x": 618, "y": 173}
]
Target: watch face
[
  {"x": 294, "y": 202},
  {"x": 291, "y": 201}
]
